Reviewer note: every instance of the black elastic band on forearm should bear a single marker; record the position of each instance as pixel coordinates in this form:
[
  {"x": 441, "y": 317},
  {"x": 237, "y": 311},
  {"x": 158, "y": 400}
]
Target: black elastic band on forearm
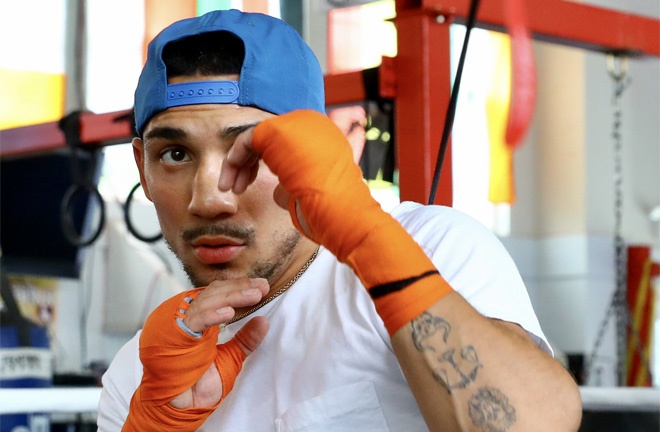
[{"x": 390, "y": 287}]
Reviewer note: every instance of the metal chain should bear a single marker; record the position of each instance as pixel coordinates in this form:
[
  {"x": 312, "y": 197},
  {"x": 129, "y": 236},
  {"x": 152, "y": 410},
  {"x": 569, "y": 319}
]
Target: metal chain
[
  {"x": 618, "y": 306},
  {"x": 619, "y": 301},
  {"x": 277, "y": 293}
]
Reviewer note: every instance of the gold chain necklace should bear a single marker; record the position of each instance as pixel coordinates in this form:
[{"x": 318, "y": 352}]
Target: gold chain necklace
[{"x": 277, "y": 293}]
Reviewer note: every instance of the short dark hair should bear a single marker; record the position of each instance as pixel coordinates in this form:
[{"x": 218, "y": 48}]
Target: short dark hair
[{"x": 213, "y": 53}]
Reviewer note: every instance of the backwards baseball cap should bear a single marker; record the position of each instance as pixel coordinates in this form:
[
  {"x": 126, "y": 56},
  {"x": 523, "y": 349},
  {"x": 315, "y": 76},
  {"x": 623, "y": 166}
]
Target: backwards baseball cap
[{"x": 280, "y": 73}]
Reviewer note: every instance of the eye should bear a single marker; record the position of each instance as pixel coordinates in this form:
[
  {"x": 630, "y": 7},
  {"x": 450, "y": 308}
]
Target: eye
[{"x": 174, "y": 155}]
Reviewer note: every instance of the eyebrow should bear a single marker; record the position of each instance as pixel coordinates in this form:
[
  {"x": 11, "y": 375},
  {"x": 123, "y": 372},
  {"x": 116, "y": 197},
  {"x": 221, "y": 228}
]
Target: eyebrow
[
  {"x": 171, "y": 133},
  {"x": 231, "y": 132},
  {"x": 166, "y": 132}
]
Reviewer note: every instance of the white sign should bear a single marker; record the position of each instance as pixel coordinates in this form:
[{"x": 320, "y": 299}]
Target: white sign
[{"x": 25, "y": 362}]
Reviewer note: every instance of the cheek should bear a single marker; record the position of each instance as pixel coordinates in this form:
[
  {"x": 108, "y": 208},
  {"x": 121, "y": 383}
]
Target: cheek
[
  {"x": 264, "y": 185},
  {"x": 170, "y": 203},
  {"x": 262, "y": 197}
]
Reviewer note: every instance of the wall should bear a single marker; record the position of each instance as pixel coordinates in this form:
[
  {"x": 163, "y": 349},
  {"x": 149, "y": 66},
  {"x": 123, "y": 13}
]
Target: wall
[{"x": 563, "y": 222}]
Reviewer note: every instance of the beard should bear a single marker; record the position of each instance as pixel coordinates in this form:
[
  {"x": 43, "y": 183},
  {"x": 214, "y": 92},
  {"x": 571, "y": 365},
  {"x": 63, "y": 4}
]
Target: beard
[{"x": 265, "y": 268}]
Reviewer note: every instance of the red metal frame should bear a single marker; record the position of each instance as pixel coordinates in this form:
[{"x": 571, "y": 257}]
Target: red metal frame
[
  {"x": 423, "y": 75},
  {"x": 96, "y": 130},
  {"x": 418, "y": 79},
  {"x": 559, "y": 21}
]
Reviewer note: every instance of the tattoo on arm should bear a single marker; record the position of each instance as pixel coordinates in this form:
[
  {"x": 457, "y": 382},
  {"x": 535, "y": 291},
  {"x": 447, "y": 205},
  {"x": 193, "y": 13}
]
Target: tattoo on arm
[
  {"x": 425, "y": 327},
  {"x": 430, "y": 334},
  {"x": 489, "y": 410}
]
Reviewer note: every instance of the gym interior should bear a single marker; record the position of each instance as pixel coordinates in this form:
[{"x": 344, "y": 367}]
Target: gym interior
[{"x": 543, "y": 125}]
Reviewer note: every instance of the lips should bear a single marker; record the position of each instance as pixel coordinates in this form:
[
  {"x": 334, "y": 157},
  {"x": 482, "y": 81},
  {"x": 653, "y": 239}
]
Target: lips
[{"x": 216, "y": 250}]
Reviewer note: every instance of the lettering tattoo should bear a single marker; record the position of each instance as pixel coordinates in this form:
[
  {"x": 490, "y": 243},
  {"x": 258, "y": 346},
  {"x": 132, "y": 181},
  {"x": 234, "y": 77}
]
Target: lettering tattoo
[
  {"x": 489, "y": 410},
  {"x": 430, "y": 335}
]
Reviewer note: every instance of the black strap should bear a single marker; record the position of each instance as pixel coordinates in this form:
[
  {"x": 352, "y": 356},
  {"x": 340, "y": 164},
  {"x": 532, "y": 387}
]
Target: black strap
[
  {"x": 388, "y": 288},
  {"x": 129, "y": 223},
  {"x": 83, "y": 182}
]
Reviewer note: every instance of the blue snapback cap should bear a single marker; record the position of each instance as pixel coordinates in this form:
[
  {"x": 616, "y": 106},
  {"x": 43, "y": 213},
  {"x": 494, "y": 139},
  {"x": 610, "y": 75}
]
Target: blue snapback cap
[{"x": 280, "y": 72}]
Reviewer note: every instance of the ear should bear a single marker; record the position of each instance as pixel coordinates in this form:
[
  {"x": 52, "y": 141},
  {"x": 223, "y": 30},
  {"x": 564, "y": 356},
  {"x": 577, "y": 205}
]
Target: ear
[{"x": 138, "y": 154}]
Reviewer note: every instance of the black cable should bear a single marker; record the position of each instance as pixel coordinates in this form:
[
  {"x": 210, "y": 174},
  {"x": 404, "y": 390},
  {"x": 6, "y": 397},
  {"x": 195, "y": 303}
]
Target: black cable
[{"x": 451, "y": 109}]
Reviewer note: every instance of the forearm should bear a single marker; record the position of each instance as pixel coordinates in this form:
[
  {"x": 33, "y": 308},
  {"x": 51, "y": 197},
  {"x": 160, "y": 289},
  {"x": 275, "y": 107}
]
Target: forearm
[
  {"x": 186, "y": 374},
  {"x": 471, "y": 373},
  {"x": 446, "y": 376}
]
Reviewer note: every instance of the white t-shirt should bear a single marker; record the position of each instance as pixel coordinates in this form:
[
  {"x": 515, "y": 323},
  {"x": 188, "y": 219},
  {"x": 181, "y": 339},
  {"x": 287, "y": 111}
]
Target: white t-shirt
[{"x": 327, "y": 362}]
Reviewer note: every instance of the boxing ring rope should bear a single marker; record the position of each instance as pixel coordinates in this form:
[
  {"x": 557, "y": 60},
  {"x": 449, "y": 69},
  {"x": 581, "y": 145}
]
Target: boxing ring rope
[
  {"x": 49, "y": 400},
  {"x": 79, "y": 400},
  {"x": 630, "y": 399}
]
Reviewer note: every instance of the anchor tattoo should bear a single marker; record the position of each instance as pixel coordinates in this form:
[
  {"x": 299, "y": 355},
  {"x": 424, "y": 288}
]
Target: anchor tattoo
[{"x": 452, "y": 371}]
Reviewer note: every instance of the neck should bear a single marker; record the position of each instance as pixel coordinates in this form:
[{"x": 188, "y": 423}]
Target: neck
[
  {"x": 301, "y": 254},
  {"x": 302, "y": 257}
]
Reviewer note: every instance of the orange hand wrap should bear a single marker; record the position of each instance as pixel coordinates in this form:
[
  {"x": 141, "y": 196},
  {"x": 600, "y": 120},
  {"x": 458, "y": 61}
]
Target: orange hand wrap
[
  {"x": 314, "y": 163},
  {"x": 173, "y": 362}
]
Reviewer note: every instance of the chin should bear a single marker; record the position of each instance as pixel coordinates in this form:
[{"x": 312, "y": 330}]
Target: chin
[{"x": 205, "y": 277}]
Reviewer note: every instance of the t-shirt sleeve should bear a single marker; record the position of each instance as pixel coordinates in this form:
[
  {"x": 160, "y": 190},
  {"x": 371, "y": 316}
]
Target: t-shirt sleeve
[
  {"x": 474, "y": 262},
  {"x": 119, "y": 383}
]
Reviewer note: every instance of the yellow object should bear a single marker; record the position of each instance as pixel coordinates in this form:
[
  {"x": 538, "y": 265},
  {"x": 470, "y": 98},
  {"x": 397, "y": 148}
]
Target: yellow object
[
  {"x": 30, "y": 97},
  {"x": 500, "y": 186},
  {"x": 645, "y": 296}
]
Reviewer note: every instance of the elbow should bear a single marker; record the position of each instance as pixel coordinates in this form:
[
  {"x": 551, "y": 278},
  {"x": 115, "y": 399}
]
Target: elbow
[
  {"x": 558, "y": 407},
  {"x": 569, "y": 406},
  {"x": 575, "y": 410}
]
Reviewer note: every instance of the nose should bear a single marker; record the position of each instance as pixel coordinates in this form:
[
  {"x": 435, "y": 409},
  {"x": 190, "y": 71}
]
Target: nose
[{"x": 207, "y": 200}]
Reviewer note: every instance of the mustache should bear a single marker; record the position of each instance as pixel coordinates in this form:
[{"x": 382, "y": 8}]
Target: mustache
[{"x": 247, "y": 235}]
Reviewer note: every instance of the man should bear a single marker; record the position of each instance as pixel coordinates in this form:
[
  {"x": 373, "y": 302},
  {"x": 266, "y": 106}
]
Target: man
[{"x": 350, "y": 321}]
